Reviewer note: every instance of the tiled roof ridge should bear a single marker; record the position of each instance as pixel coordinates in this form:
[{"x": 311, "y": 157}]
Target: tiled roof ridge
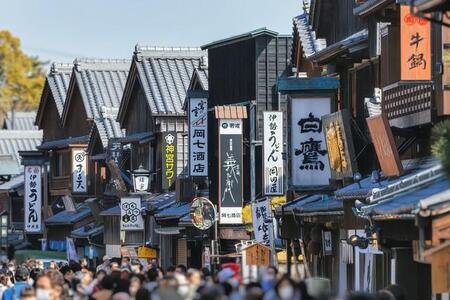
[
  {"x": 101, "y": 63},
  {"x": 155, "y": 51},
  {"x": 57, "y": 67}
]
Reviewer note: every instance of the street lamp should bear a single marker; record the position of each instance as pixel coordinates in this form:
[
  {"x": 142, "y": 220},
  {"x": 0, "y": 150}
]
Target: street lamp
[{"x": 141, "y": 179}]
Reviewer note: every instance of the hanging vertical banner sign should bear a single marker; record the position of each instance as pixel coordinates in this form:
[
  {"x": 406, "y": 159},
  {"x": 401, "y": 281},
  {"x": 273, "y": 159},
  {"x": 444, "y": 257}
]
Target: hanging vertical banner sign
[
  {"x": 309, "y": 163},
  {"x": 273, "y": 148},
  {"x": 263, "y": 222},
  {"x": 198, "y": 137},
  {"x": 327, "y": 245},
  {"x": 415, "y": 46},
  {"x": 33, "y": 199},
  {"x": 79, "y": 171},
  {"x": 130, "y": 214},
  {"x": 169, "y": 159},
  {"x": 230, "y": 171}
]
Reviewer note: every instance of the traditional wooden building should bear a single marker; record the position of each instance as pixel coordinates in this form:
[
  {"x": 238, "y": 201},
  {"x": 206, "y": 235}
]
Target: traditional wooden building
[
  {"x": 83, "y": 100},
  {"x": 242, "y": 72}
]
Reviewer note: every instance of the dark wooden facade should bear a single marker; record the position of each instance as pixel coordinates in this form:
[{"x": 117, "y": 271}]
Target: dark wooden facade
[{"x": 244, "y": 70}]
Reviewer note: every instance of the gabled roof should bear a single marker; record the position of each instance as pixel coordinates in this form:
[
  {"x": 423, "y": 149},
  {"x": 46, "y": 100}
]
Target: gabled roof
[
  {"x": 200, "y": 77},
  {"x": 240, "y": 37},
  {"x": 101, "y": 83},
  {"x": 56, "y": 84},
  {"x": 13, "y": 141},
  {"x": 164, "y": 75},
  {"x": 23, "y": 120}
]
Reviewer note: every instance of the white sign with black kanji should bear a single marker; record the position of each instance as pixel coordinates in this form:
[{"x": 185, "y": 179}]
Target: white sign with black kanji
[{"x": 130, "y": 214}]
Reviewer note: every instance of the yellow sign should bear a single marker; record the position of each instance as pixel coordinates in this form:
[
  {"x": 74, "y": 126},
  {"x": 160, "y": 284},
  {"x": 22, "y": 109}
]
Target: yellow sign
[{"x": 145, "y": 252}]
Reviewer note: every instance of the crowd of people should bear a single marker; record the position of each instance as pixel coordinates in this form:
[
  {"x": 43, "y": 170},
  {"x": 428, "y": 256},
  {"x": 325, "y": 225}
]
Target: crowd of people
[{"x": 129, "y": 279}]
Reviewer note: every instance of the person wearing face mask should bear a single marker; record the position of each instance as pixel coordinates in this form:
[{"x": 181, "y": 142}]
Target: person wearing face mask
[
  {"x": 285, "y": 289},
  {"x": 43, "y": 287}
]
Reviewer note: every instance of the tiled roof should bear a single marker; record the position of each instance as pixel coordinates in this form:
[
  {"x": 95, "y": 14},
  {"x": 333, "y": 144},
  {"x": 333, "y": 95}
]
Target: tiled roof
[
  {"x": 15, "y": 183},
  {"x": 200, "y": 75},
  {"x": 22, "y": 120},
  {"x": 13, "y": 141},
  {"x": 69, "y": 217},
  {"x": 152, "y": 204},
  {"x": 88, "y": 230},
  {"x": 405, "y": 203},
  {"x": 341, "y": 46},
  {"x": 302, "y": 28},
  {"x": 101, "y": 83},
  {"x": 312, "y": 204},
  {"x": 58, "y": 81},
  {"x": 165, "y": 74},
  {"x": 63, "y": 143},
  {"x": 175, "y": 211},
  {"x": 366, "y": 187}
]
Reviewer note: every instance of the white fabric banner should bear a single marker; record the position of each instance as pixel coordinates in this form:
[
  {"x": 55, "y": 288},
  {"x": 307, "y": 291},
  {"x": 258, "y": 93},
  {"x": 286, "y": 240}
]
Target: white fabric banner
[
  {"x": 263, "y": 222},
  {"x": 130, "y": 214},
  {"x": 33, "y": 199}
]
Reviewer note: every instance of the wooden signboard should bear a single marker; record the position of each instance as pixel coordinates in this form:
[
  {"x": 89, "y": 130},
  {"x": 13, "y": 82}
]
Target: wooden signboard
[
  {"x": 257, "y": 255},
  {"x": 384, "y": 144},
  {"x": 415, "y": 46},
  {"x": 233, "y": 234},
  {"x": 121, "y": 188},
  {"x": 338, "y": 135}
]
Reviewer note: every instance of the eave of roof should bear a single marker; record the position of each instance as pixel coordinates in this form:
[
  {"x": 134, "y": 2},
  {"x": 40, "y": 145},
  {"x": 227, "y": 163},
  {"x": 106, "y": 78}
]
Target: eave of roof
[
  {"x": 64, "y": 143},
  {"x": 371, "y": 6},
  {"x": 242, "y": 37},
  {"x": 327, "y": 54}
]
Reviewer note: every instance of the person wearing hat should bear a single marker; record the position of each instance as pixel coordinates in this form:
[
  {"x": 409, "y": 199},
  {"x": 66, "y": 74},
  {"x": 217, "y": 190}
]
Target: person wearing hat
[{"x": 22, "y": 275}]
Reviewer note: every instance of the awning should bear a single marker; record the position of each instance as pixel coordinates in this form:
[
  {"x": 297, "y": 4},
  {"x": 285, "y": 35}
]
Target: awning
[
  {"x": 69, "y": 217},
  {"x": 286, "y": 84},
  {"x": 352, "y": 43},
  {"x": 168, "y": 230},
  {"x": 15, "y": 183},
  {"x": 175, "y": 211},
  {"x": 64, "y": 143},
  {"x": 87, "y": 231},
  {"x": 315, "y": 205},
  {"x": 140, "y": 137},
  {"x": 403, "y": 205},
  {"x": 367, "y": 187}
]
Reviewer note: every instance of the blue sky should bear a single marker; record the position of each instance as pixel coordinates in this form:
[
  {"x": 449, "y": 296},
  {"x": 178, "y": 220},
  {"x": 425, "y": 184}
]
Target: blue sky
[{"x": 59, "y": 30}]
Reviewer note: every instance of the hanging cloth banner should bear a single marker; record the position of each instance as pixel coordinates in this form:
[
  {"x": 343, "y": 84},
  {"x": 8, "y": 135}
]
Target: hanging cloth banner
[{"x": 263, "y": 222}]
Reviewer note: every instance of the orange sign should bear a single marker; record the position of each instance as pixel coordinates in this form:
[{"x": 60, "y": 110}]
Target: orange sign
[
  {"x": 415, "y": 38},
  {"x": 384, "y": 144}
]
